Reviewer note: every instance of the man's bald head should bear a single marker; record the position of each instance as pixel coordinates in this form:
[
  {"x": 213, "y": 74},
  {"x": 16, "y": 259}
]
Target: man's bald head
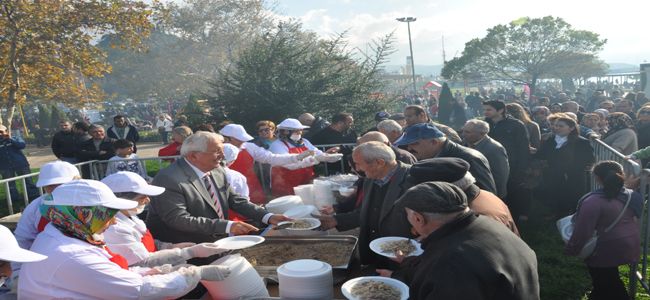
[
  {"x": 306, "y": 119},
  {"x": 373, "y": 136}
]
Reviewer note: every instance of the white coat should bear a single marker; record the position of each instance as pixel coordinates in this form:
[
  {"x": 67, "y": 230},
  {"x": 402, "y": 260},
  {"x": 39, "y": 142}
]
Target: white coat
[
  {"x": 76, "y": 269},
  {"x": 237, "y": 182},
  {"x": 125, "y": 238}
]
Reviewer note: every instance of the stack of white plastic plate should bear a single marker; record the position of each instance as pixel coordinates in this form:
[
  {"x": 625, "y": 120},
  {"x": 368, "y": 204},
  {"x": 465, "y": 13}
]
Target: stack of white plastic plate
[
  {"x": 305, "y": 279},
  {"x": 282, "y": 204},
  {"x": 306, "y": 193},
  {"x": 243, "y": 280},
  {"x": 301, "y": 211},
  {"x": 323, "y": 194}
]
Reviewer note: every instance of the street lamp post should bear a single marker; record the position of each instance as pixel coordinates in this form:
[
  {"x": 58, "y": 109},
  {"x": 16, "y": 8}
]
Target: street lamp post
[{"x": 408, "y": 21}]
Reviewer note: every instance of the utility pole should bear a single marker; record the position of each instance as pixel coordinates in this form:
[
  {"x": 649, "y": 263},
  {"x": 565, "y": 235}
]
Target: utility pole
[{"x": 408, "y": 21}]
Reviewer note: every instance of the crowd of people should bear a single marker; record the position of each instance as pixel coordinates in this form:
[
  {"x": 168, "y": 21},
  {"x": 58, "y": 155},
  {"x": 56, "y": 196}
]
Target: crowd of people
[{"x": 463, "y": 195}]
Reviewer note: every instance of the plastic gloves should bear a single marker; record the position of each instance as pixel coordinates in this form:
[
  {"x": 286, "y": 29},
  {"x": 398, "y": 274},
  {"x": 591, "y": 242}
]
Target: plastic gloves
[
  {"x": 209, "y": 273},
  {"x": 162, "y": 257},
  {"x": 328, "y": 158},
  {"x": 163, "y": 245},
  {"x": 304, "y": 155},
  {"x": 201, "y": 250}
]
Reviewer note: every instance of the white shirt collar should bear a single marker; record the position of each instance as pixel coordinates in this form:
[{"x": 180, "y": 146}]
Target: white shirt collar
[
  {"x": 560, "y": 140},
  {"x": 198, "y": 172}
]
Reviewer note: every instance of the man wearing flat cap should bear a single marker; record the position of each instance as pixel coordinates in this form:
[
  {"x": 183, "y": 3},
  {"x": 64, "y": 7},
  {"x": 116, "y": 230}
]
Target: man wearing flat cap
[
  {"x": 426, "y": 141},
  {"x": 465, "y": 256},
  {"x": 456, "y": 171}
]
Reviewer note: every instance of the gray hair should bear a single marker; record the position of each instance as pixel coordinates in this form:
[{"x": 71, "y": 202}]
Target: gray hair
[
  {"x": 479, "y": 125},
  {"x": 389, "y": 126},
  {"x": 183, "y": 131},
  {"x": 198, "y": 142},
  {"x": 372, "y": 151},
  {"x": 465, "y": 182}
]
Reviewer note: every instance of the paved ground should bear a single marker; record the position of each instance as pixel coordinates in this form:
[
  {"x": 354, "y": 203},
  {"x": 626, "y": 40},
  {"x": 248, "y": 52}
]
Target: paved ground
[{"x": 39, "y": 156}]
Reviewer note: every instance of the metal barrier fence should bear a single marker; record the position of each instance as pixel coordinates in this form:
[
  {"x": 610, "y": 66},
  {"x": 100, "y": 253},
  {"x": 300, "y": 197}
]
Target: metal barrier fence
[
  {"x": 97, "y": 168},
  {"x": 603, "y": 152},
  {"x": 93, "y": 169}
]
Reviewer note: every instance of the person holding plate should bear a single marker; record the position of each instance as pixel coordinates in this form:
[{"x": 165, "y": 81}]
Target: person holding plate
[{"x": 465, "y": 256}]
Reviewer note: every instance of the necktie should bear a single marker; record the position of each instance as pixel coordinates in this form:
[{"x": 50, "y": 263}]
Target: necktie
[{"x": 213, "y": 194}]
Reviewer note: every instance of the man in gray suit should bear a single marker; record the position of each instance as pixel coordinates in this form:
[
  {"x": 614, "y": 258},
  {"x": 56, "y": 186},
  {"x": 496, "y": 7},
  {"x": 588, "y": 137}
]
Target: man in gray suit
[
  {"x": 195, "y": 204},
  {"x": 385, "y": 181},
  {"x": 475, "y": 135}
]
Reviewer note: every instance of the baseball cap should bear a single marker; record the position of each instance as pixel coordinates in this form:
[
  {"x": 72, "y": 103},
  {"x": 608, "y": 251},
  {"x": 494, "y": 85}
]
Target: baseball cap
[
  {"x": 418, "y": 132},
  {"x": 56, "y": 172},
  {"x": 125, "y": 181},
  {"x": 230, "y": 152},
  {"x": 434, "y": 197},
  {"x": 382, "y": 115},
  {"x": 10, "y": 251},
  {"x": 85, "y": 192},
  {"x": 290, "y": 123},
  {"x": 236, "y": 131}
]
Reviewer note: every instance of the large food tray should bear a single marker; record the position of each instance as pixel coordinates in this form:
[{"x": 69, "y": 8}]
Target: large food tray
[{"x": 269, "y": 271}]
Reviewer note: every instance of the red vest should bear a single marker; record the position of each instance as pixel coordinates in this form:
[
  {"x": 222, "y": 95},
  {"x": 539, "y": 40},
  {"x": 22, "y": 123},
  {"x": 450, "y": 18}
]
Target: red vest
[
  {"x": 284, "y": 180},
  {"x": 245, "y": 164}
]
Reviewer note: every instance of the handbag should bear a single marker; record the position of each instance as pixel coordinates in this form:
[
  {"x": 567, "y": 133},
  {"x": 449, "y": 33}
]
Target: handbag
[{"x": 566, "y": 226}]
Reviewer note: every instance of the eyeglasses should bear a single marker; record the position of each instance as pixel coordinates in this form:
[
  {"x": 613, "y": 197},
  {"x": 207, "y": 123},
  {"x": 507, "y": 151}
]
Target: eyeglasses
[{"x": 264, "y": 130}]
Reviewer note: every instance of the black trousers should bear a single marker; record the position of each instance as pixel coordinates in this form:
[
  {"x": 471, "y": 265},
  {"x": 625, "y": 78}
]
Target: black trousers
[{"x": 607, "y": 284}]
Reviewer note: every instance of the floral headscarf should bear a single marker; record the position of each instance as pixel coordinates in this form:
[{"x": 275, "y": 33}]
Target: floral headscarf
[
  {"x": 619, "y": 121},
  {"x": 82, "y": 222}
]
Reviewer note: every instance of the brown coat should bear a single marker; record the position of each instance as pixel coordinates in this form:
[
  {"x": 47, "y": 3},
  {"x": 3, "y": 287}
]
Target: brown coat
[{"x": 488, "y": 204}]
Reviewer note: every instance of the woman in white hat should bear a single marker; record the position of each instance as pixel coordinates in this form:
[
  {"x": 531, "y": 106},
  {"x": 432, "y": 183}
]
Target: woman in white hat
[
  {"x": 129, "y": 236},
  {"x": 250, "y": 153},
  {"x": 290, "y": 140},
  {"x": 11, "y": 253},
  {"x": 31, "y": 222},
  {"x": 79, "y": 265}
]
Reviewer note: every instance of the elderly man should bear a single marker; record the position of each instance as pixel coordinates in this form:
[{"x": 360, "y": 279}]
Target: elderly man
[
  {"x": 121, "y": 130},
  {"x": 195, "y": 204},
  {"x": 391, "y": 129},
  {"x": 99, "y": 147},
  {"x": 415, "y": 114},
  {"x": 465, "y": 256},
  {"x": 400, "y": 154},
  {"x": 385, "y": 181},
  {"x": 426, "y": 141},
  {"x": 456, "y": 171},
  {"x": 475, "y": 136}
]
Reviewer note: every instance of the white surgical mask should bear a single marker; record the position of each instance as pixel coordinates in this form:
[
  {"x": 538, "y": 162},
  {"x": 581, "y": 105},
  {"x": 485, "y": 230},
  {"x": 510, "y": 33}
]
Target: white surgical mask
[
  {"x": 136, "y": 211},
  {"x": 295, "y": 137}
]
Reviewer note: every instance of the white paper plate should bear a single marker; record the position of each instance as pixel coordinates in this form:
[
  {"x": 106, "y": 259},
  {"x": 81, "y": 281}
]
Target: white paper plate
[
  {"x": 375, "y": 246},
  {"x": 239, "y": 242},
  {"x": 315, "y": 223},
  {"x": 346, "y": 288}
]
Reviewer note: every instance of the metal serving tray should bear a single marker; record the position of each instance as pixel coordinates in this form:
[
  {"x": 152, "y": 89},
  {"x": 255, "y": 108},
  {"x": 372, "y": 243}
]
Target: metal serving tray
[{"x": 270, "y": 271}]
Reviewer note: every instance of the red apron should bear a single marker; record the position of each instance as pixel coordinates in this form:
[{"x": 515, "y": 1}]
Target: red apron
[
  {"x": 41, "y": 224},
  {"x": 117, "y": 259},
  {"x": 284, "y": 180},
  {"x": 245, "y": 164},
  {"x": 147, "y": 241}
]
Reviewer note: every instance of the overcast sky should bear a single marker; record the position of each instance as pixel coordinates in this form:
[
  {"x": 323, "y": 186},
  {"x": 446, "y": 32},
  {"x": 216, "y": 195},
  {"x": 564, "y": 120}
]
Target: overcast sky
[{"x": 624, "y": 23}]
